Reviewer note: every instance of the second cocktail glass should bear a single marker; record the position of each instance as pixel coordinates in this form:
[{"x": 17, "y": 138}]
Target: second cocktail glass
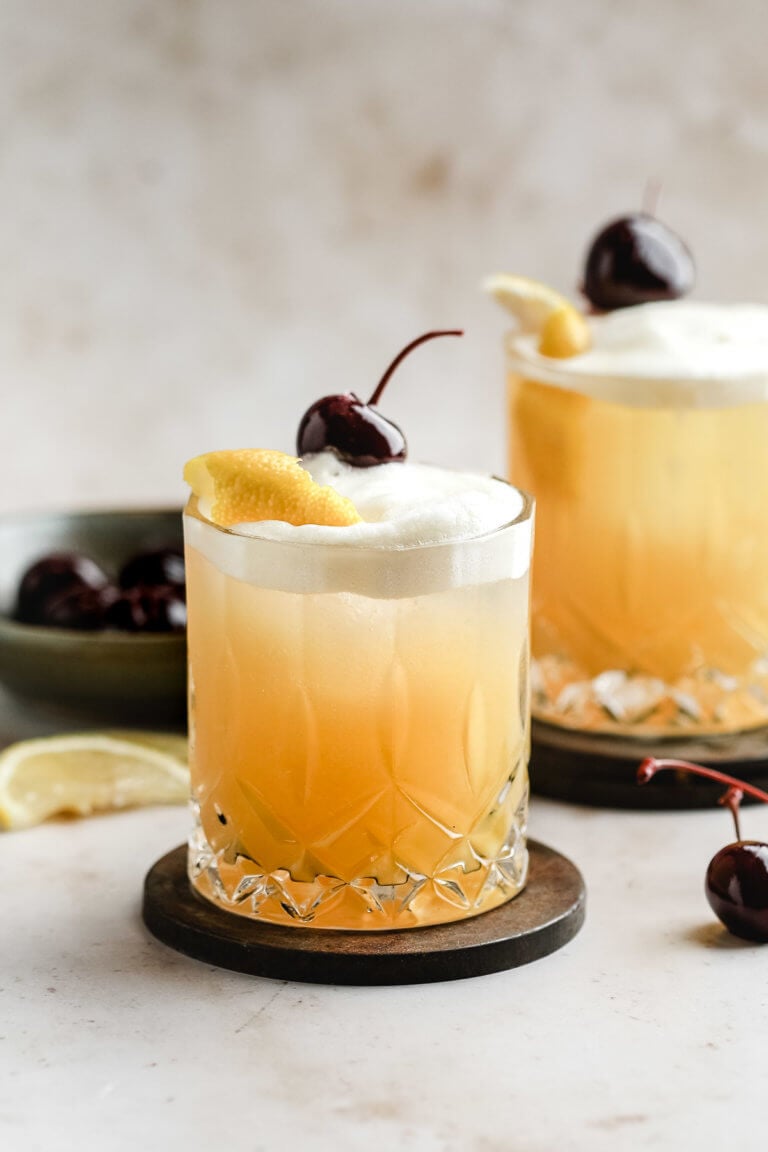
[{"x": 650, "y": 599}]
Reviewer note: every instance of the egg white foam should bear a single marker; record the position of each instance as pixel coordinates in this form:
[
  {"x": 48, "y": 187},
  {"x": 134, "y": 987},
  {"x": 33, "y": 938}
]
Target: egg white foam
[
  {"x": 424, "y": 530},
  {"x": 668, "y": 354}
]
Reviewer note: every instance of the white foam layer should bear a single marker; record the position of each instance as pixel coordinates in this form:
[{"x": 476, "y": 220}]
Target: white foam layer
[
  {"x": 670, "y": 354},
  {"x": 424, "y": 530}
]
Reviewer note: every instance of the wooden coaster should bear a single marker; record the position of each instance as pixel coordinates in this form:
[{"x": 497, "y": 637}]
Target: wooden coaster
[
  {"x": 583, "y": 768},
  {"x": 544, "y": 917}
]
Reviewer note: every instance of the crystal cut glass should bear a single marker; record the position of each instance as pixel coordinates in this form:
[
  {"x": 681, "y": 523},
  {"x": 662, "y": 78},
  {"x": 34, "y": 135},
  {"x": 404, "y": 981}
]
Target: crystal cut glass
[{"x": 358, "y": 761}]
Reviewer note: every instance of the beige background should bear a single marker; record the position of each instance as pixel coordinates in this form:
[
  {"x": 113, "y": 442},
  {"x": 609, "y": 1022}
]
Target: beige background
[{"x": 213, "y": 211}]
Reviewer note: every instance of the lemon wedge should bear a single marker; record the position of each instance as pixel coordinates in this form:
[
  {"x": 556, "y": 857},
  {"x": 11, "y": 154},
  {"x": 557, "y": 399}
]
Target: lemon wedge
[
  {"x": 529, "y": 301},
  {"x": 90, "y": 772},
  {"x": 249, "y": 484},
  {"x": 565, "y": 333},
  {"x": 539, "y": 310}
]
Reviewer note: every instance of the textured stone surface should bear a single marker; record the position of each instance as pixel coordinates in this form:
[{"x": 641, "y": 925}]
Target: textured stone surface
[
  {"x": 213, "y": 211},
  {"x": 647, "y": 1031}
]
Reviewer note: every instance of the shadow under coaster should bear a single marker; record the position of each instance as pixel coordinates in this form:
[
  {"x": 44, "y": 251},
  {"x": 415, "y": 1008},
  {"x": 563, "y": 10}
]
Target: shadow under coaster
[
  {"x": 545, "y": 916},
  {"x": 585, "y": 768}
]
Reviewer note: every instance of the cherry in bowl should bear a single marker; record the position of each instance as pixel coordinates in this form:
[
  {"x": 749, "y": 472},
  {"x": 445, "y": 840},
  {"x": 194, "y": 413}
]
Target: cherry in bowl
[
  {"x": 84, "y": 609},
  {"x": 53, "y": 577},
  {"x": 148, "y": 608},
  {"x": 160, "y": 566},
  {"x": 69, "y": 674},
  {"x": 69, "y": 590}
]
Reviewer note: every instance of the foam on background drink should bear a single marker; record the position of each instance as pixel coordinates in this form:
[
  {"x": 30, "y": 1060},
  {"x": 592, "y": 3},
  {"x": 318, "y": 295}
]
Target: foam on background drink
[
  {"x": 359, "y": 702},
  {"x": 645, "y": 449}
]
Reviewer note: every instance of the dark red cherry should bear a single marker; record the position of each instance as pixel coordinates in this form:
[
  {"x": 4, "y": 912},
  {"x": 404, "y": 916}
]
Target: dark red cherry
[
  {"x": 169, "y": 611},
  {"x": 635, "y": 260},
  {"x": 357, "y": 433},
  {"x": 158, "y": 608},
  {"x": 161, "y": 566},
  {"x": 355, "y": 430},
  {"x": 80, "y": 607},
  {"x": 736, "y": 882},
  {"x": 50, "y": 577},
  {"x": 737, "y": 889}
]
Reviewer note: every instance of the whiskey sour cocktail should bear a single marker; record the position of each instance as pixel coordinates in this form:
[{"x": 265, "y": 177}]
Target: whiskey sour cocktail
[
  {"x": 643, "y": 434},
  {"x": 358, "y": 685}
]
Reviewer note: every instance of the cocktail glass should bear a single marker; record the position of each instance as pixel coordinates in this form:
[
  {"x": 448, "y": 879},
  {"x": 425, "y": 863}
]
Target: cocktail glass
[
  {"x": 359, "y": 726},
  {"x": 650, "y": 594}
]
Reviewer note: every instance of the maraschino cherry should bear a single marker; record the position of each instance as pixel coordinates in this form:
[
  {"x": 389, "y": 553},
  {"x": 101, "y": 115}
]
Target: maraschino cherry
[
  {"x": 57, "y": 575},
  {"x": 148, "y": 608},
  {"x": 637, "y": 259},
  {"x": 736, "y": 883},
  {"x": 354, "y": 430},
  {"x": 69, "y": 590},
  {"x": 160, "y": 566}
]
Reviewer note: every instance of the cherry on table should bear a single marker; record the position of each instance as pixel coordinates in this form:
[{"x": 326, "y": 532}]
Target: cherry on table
[
  {"x": 637, "y": 259},
  {"x": 736, "y": 882},
  {"x": 52, "y": 576},
  {"x": 737, "y": 888},
  {"x": 355, "y": 430}
]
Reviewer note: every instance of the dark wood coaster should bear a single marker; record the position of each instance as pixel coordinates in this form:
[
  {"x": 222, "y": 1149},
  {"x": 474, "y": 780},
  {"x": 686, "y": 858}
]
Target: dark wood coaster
[
  {"x": 583, "y": 768},
  {"x": 544, "y": 917}
]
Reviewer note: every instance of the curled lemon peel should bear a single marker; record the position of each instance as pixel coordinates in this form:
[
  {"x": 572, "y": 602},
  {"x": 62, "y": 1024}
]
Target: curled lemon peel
[{"x": 244, "y": 485}]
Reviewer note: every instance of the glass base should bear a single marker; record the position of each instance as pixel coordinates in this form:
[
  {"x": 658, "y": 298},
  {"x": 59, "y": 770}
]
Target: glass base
[
  {"x": 706, "y": 702},
  {"x": 458, "y": 888}
]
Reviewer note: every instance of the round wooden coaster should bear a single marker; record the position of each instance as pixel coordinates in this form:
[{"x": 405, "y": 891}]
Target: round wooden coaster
[
  {"x": 544, "y": 917},
  {"x": 602, "y": 770}
]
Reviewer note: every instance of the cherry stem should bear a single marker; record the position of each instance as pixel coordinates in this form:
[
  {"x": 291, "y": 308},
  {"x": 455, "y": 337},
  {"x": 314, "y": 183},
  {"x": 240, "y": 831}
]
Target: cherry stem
[
  {"x": 402, "y": 355},
  {"x": 651, "y": 196},
  {"x": 651, "y": 766},
  {"x": 732, "y": 798}
]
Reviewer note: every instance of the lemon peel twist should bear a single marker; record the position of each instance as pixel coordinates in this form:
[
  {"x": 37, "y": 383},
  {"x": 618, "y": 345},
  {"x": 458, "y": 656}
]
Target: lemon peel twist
[{"x": 243, "y": 485}]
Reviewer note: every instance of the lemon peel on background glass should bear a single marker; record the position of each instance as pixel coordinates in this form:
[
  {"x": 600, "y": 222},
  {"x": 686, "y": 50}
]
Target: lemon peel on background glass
[
  {"x": 562, "y": 329},
  {"x": 565, "y": 333}
]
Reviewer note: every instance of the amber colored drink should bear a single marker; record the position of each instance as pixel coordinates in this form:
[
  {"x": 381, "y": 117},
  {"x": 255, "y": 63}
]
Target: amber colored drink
[
  {"x": 650, "y": 597},
  {"x": 358, "y": 761}
]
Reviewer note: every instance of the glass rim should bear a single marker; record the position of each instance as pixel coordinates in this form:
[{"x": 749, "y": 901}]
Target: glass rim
[
  {"x": 524, "y": 516},
  {"x": 549, "y": 370}
]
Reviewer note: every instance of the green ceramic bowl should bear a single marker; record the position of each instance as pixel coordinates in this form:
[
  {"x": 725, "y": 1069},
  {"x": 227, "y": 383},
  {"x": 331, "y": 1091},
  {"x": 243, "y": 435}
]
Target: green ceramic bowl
[{"x": 89, "y": 677}]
